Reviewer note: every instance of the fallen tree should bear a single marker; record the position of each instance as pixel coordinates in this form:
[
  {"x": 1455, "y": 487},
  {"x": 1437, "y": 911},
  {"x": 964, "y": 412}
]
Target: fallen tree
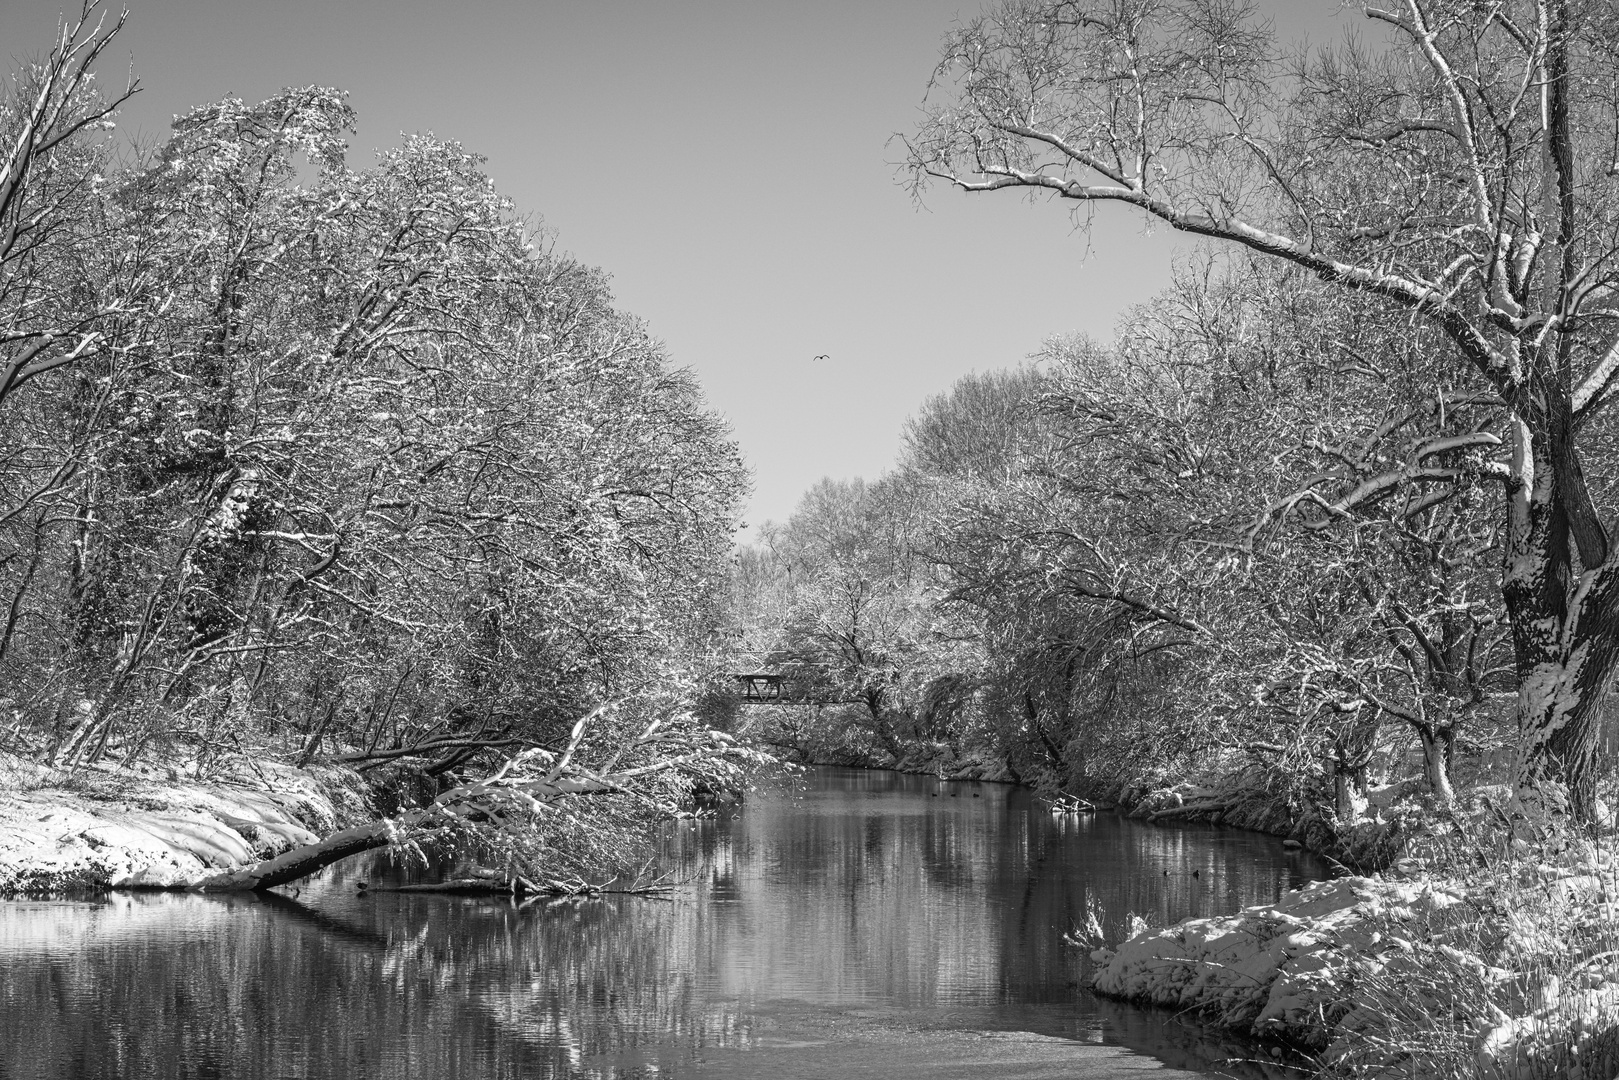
[{"x": 509, "y": 808}]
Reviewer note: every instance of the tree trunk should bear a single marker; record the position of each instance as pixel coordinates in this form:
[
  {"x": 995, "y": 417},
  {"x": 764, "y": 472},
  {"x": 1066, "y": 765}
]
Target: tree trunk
[
  {"x": 451, "y": 807},
  {"x": 1565, "y": 619},
  {"x": 302, "y": 861},
  {"x": 1437, "y": 743},
  {"x": 1348, "y": 787},
  {"x": 1053, "y": 751},
  {"x": 881, "y": 726},
  {"x": 502, "y": 791}
]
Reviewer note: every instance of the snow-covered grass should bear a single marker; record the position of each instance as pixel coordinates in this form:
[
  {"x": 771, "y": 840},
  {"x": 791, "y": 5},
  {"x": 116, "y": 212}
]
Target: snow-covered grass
[
  {"x": 1519, "y": 980},
  {"x": 18, "y": 775},
  {"x": 1492, "y": 951}
]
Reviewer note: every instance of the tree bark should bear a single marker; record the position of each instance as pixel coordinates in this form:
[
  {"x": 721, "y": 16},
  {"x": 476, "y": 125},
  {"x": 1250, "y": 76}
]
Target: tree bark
[
  {"x": 302, "y": 861},
  {"x": 1437, "y": 743},
  {"x": 1348, "y": 787},
  {"x": 1564, "y": 614}
]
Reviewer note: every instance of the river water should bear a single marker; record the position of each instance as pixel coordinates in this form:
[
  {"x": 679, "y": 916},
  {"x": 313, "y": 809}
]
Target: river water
[{"x": 862, "y": 923}]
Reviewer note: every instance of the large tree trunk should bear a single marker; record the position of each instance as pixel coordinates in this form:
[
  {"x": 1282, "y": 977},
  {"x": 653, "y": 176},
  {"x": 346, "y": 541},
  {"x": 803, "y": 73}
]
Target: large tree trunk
[
  {"x": 1561, "y": 587},
  {"x": 300, "y": 862}
]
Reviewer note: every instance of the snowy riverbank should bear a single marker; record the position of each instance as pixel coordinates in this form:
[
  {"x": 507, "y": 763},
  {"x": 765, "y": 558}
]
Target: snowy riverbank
[
  {"x": 1375, "y": 975},
  {"x": 104, "y": 828}
]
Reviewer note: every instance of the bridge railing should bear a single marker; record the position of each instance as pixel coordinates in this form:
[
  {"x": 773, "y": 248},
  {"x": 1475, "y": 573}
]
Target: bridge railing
[{"x": 781, "y": 688}]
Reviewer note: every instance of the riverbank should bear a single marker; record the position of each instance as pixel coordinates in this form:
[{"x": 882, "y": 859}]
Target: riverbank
[
  {"x": 1473, "y": 951},
  {"x": 938, "y": 760},
  {"x": 1510, "y": 971},
  {"x": 1389, "y": 815},
  {"x": 97, "y": 828}
]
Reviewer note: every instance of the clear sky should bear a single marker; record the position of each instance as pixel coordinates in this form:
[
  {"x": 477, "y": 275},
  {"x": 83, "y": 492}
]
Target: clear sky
[{"x": 727, "y": 161}]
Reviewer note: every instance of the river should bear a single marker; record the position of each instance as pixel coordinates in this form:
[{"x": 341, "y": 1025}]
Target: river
[{"x": 859, "y": 924}]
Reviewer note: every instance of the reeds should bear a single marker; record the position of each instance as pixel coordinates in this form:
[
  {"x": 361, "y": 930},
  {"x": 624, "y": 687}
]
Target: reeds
[{"x": 1518, "y": 981}]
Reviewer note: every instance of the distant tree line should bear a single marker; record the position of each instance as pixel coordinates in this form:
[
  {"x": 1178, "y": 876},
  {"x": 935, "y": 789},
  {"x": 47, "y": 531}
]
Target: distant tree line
[{"x": 1110, "y": 571}]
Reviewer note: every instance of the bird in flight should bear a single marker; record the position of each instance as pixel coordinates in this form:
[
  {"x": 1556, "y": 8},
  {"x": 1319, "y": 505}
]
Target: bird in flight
[{"x": 823, "y": 356}]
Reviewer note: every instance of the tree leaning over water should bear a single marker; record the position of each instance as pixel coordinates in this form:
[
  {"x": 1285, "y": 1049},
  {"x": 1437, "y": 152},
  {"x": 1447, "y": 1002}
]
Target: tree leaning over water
[
  {"x": 359, "y": 470},
  {"x": 1293, "y": 646},
  {"x": 1463, "y": 173}
]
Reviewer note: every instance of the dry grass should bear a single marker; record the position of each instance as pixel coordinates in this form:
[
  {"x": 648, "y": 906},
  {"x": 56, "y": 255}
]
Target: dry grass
[
  {"x": 1519, "y": 980},
  {"x": 19, "y": 775}
]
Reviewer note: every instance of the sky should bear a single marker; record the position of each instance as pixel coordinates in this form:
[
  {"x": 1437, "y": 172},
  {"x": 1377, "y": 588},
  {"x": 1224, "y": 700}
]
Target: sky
[{"x": 730, "y": 163}]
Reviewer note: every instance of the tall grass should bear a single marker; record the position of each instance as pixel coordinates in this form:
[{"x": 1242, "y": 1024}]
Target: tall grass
[{"x": 1519, "y": 979}]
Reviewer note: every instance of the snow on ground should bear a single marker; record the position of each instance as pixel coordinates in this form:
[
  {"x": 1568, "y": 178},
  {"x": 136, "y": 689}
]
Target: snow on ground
[
  {"x": 1266, "y": 971},
  {"x": 1329, "y": 963},
  {"x": 99, "y": 828}
]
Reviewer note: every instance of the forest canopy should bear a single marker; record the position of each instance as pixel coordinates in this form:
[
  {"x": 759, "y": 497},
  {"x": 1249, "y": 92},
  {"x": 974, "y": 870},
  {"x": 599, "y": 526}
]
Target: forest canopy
[{"x": 332, "y": 463}]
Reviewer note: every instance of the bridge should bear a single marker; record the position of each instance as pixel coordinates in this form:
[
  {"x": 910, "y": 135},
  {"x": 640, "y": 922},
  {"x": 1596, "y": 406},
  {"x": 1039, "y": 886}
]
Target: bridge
[{"x": 788, "y": 687}]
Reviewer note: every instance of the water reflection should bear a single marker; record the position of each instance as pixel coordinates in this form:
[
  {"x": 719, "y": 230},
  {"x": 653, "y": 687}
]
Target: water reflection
[{"x": 874, "y": 897}]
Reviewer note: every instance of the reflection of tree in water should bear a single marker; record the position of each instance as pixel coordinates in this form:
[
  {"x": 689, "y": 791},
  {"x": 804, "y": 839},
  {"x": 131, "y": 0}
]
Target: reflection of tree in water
[
  {"x": 1123, "y": 868},
  {"x": 939, "y": 904},
  {"x": 418, "y": 986}
]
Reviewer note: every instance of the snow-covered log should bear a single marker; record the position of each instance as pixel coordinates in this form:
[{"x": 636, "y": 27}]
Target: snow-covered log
[{"x": 516, "y": 793}]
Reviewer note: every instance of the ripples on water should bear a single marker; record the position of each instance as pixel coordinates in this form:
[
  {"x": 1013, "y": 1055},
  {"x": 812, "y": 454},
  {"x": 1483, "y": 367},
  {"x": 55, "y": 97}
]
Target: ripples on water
[{"x": 864, "y": 898}]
